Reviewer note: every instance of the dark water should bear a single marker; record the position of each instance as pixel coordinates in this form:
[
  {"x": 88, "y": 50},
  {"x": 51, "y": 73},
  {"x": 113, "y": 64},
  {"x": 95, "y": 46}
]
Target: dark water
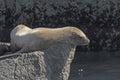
[{"x": 104, "y": 70}]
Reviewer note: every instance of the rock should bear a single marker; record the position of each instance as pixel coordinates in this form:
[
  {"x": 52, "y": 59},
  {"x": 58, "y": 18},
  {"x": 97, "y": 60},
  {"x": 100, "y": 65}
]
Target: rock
[
  {"x": 23, "y": 67},
  {"x": 51, "y": 64}
]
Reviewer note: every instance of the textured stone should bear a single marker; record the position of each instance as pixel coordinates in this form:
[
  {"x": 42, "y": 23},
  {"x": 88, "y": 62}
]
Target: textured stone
[{"x": 51, "y": 64}]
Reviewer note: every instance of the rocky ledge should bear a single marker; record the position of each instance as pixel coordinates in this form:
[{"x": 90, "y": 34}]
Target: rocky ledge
[{"x": 51, "y": 64}]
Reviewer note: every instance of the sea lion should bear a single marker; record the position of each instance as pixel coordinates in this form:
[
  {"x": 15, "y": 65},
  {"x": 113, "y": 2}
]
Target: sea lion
[
  {"x": 25, "y": 39},
  {"x": 4, "y": 47}
]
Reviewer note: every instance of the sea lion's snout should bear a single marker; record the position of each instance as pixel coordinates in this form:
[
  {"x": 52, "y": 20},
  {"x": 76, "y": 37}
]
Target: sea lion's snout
[{"x": 87, "y": 41}]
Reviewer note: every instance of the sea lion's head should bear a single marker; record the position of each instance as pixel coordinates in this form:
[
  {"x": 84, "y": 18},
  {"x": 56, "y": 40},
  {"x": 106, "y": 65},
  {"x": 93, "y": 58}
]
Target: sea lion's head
[{"x": 78, "y": 37}]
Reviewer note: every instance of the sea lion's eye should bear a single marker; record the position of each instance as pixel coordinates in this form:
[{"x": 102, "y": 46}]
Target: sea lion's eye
[{"x": 73, "y": 33}]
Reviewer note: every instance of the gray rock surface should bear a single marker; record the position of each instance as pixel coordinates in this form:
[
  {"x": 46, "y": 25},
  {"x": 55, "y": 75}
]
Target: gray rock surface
[{"x": 51, "y": 64}]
